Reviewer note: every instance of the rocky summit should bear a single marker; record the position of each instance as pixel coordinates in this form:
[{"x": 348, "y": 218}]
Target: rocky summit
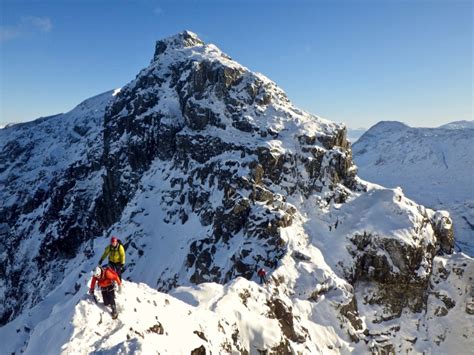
[{"x": 207, "y": 172}]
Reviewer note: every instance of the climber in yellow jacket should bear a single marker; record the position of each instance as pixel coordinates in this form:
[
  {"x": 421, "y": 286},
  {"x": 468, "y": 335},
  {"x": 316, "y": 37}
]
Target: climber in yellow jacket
[{"x": 116, "y": 253}]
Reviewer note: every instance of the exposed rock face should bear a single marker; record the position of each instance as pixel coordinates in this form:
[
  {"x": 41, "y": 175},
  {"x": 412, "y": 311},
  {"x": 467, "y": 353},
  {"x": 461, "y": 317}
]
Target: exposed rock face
[
  {"x": 394, "y": 276},
  {"x": 391, "y": 270},
  {"x": 285, "y": 317},
  {"x": 443, "y": 227}
]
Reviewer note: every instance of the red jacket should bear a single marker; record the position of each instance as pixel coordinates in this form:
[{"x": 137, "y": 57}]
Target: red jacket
[
  {"x": 106, "y": 279},
  {"x": 261, "y": 272}
]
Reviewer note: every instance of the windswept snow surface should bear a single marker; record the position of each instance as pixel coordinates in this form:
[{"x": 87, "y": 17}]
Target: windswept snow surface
[
  {"x": 433, "y": 166},
  {"x": 220, "y": 318}
]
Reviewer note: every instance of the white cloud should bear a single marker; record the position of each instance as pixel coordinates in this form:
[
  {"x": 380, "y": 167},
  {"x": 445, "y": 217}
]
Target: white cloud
[
  {"x": 39, "y": 23},
  {"x": 26, "y": 25}
]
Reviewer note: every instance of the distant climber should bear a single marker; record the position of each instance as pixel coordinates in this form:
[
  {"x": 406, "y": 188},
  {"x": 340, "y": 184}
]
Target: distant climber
[
  {"x": 116, "y": 253},
  {"x": 262, "y": 273},
  {"x": 106, "y": 277}
]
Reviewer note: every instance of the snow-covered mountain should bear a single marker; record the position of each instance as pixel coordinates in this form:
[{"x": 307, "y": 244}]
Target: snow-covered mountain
[
  {"x": 434, "y": 166},
  {"x": 206, "y": 171},
  {"x": 458, "y": 125}
]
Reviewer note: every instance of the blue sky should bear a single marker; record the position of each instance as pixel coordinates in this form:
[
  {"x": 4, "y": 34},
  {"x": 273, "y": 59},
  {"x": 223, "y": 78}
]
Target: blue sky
[{"x": 352, "y": 61}]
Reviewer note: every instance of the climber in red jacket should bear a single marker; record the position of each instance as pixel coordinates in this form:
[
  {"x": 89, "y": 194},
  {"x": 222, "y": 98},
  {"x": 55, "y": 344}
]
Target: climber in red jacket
[
  {"x": 262, "y": 273},
  {"x": 106, "y": 277}
]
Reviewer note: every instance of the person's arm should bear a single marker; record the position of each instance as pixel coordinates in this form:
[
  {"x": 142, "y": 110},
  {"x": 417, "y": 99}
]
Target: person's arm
[
  {"x": 122, "y": 255},
  {"x": 91, "y": 289},
  {"x": 104, "y": 255}
]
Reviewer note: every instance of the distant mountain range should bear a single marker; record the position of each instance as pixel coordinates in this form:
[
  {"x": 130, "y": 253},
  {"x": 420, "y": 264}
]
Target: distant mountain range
[
  {"x": 354, "y": 134},
  {"x": 459, "y": 125},
  {"x": 434, "y": 166}
]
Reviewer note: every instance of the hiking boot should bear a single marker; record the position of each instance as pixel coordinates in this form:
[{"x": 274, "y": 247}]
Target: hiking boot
[{"x": 114, "y": 313}]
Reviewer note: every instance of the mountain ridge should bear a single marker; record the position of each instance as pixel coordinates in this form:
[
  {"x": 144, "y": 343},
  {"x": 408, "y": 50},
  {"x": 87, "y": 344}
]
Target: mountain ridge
[
  {"x": 206, "y": 172},
  {"x": 433, "y": 165}
]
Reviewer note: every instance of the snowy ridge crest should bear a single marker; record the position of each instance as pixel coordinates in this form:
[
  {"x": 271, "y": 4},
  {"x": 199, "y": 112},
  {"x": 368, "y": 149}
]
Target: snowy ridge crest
[{"x": 182, "y": 40}]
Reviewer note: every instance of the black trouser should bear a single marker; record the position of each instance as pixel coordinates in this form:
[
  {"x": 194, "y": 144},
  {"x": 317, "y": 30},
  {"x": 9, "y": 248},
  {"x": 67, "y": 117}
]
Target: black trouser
[
  {"x": 117, "y": 268},
  {"x": 108, "y": 295},
  {"x": 263, "y": 279}
]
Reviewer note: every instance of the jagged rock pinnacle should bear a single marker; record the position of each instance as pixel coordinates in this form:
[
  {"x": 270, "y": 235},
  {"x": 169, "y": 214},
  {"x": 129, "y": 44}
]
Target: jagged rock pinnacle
[{"x": 180, "y": 40}]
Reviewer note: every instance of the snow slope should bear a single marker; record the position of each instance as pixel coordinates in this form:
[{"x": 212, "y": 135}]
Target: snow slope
[
  {"x": 149, "y": 322},
  {"x": 434, "y": 166}
]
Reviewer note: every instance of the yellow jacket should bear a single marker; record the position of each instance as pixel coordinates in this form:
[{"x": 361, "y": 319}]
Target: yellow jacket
[{"x": 116, "y": 255}]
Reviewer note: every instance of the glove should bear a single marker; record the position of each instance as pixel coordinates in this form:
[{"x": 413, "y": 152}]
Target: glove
[
  {"x": 120, "y": 289},
  {"x": 91, "y": 291}
]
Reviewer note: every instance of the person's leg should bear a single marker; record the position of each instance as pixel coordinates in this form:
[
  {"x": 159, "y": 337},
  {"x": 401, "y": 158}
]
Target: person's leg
[
  {"x": 112, "y": 301},
  {"x": 117, "y": 268},
  {"x": 109, "y": 296},
  {"x": 105, "y": 296}
]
